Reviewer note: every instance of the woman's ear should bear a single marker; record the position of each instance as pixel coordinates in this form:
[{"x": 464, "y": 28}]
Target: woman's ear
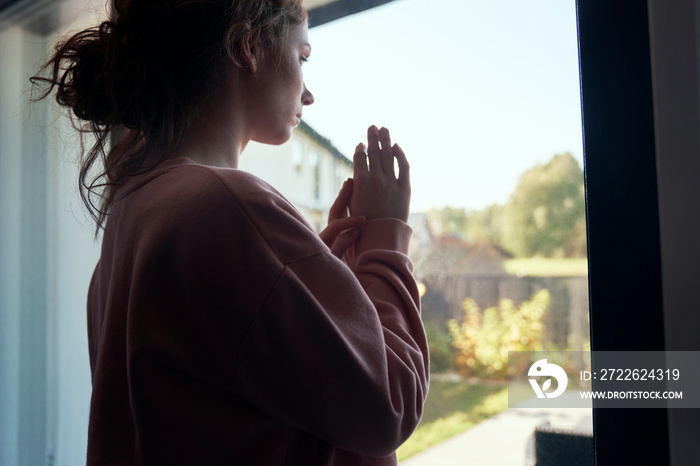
[{"x": 251, "y": 52}]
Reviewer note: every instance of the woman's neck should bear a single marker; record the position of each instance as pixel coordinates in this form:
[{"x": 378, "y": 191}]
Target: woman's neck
[{"x": 219, "y": 136}]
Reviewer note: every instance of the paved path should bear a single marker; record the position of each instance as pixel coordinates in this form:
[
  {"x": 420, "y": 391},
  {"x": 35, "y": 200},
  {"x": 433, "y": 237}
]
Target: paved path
[{"x": 501, "y": 440}]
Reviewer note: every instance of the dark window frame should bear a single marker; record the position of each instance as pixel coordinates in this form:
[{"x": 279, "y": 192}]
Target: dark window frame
[{"x": 622, "y": 213}]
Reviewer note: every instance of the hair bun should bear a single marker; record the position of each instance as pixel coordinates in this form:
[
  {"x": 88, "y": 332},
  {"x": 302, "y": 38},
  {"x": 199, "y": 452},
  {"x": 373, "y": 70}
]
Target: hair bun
[
  {"x": 103, "y": 69},
  {"x": 93, "y": 98}
]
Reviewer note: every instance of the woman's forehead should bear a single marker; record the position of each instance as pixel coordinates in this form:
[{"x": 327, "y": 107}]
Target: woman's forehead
[{"x": 298, "y": 34}]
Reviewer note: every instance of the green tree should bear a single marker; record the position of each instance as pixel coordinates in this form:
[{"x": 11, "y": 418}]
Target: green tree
[
  {"x": 545, "y": 214},
  {"x": 475, "y": 226},
  {"x": 485, "y": 225},
  {"x": 448, "y": 221}
]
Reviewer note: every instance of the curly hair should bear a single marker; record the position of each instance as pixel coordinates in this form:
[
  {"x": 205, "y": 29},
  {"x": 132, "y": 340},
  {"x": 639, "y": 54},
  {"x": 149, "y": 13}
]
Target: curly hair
[{"x": 147, "y": 74}]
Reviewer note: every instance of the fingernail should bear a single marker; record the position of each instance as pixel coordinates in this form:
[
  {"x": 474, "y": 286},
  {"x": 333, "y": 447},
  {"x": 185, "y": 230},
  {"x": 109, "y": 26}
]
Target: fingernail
[{"x": 352, "y": 232}]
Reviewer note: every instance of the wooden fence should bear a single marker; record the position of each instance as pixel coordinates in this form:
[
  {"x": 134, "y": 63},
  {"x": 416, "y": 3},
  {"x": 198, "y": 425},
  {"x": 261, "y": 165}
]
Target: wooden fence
[{"x": 567, "y": 319}]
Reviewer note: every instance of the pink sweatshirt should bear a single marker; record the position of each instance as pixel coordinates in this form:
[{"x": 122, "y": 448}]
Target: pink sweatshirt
[{"x": 222, "y": 331}]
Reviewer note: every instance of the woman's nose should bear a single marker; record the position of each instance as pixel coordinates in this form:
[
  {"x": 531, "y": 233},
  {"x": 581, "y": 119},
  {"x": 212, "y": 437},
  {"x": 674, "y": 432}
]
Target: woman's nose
[{"x": 307, "y": 98}]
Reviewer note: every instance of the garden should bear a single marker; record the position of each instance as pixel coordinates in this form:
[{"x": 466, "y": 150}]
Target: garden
[{"x": 469, "y": 366}]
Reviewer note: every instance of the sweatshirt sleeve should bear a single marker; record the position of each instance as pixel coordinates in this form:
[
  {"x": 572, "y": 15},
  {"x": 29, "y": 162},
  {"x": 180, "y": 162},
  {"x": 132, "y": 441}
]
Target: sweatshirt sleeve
[{"x": 337, "y": 352}]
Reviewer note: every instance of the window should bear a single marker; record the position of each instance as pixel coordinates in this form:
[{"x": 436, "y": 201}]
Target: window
[
  {"x": 315, "y": 166},
  {"x": 47, "y": 252},
  {"x": 297, "y": 155},
  {"x": 620, "y": 170},
  {"x": 492, "y": 94}
]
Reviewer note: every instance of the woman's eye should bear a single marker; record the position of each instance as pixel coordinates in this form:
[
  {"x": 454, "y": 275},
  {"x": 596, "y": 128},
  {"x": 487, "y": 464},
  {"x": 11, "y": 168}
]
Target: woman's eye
[{"x": 303, "y": 59}]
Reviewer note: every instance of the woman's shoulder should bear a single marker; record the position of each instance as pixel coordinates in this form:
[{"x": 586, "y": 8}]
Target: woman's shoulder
[
  {"x": 187, "y": 195},
  {"x": 188, "y": 177}
]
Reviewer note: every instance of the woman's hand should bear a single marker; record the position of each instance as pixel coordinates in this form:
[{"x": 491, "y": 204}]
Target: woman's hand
[
  {"x": 377, "y": 191},
  {"x": 341, "y": 231}
]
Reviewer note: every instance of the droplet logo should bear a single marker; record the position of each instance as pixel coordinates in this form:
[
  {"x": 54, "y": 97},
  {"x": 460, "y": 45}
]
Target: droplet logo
[{"x": 542, "y": 368}]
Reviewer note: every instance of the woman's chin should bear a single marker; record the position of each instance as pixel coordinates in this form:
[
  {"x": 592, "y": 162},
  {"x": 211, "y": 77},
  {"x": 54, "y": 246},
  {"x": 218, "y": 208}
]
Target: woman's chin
[{"x": 276, "y": 139}]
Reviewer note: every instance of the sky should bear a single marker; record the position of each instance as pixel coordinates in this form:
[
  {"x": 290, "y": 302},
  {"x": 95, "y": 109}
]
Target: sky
[{"x": 475, "y": 92}]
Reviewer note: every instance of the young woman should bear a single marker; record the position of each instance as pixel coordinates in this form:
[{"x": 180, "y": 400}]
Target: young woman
[{"x": 222, "y": 329}]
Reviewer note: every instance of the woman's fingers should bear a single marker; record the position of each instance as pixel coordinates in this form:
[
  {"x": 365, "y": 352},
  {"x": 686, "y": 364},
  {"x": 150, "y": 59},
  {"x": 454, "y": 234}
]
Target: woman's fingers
[
  {"x": 378, "y": 192},
  {"x": 359, "y": 161},
  {"x": 334, "y": 229},
  {"x": 373, "y": 151},
  {"x": 404, "y": 167},
  {"x": 339, "y": 209},
  {"x": 343, "y": 241},
  {"x": 387, "y": 154}
]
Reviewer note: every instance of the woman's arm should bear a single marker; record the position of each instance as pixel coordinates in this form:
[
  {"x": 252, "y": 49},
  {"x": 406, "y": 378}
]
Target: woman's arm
[
  {"x": 339, "y": 353},
  {"x": 352, "y": 351}
]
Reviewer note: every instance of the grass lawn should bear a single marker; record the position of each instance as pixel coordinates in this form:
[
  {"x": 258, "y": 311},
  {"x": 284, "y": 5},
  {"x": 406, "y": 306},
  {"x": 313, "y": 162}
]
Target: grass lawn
[
  {"x": 451, "y": 408},
  {"x": 543, "y": 267}
]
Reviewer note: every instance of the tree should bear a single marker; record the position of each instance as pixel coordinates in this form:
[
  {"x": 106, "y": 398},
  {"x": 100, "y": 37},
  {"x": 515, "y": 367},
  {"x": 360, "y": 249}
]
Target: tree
[
  {"x": 473, "y": 226},
  {"x": 545, "y": 214},
  {"x": 486, "y": 225},
  {"x": 448, "y": 221}
]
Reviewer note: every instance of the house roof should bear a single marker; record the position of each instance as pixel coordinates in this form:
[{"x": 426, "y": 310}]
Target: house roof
[{"x": 324, "y": 142}]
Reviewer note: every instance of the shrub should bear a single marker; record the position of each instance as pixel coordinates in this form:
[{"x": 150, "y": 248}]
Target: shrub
[
  {"x": 482, "y": 340},
  {"x": 439, "y": 347}
]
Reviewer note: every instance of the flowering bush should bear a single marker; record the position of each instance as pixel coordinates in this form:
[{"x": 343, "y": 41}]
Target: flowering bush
[{"x": 482, "y": 340}]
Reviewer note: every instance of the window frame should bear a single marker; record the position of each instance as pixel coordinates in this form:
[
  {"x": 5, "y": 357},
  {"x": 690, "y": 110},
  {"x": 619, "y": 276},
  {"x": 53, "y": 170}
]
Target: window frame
[{"x": 622, "y": 213}]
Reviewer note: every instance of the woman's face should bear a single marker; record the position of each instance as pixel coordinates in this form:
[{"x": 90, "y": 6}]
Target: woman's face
[{"x": 280, "y": 92}]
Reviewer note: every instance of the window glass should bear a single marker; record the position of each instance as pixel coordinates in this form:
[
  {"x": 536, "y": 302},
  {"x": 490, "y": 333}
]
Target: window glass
[
  {"x": 484, "y": 99},
  {"x": 47, "y": 251}
]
